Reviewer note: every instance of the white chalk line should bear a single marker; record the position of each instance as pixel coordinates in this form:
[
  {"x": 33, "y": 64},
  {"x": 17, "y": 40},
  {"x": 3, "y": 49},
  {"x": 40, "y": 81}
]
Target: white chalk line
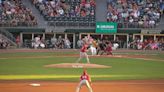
[
  {"x": 134, "y": 83},
  {"x": 111, "y": 83}
]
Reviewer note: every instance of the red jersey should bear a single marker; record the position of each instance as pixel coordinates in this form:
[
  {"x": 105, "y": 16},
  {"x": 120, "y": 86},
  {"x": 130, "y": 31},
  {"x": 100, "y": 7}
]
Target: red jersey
[
  {"x": 84, "y": 48},
  {"x": 84, "y": 77},
  {"x": 109, "y": 48}
]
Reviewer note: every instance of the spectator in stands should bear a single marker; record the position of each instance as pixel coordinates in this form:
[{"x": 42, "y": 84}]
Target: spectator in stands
[
  {"x": 57, "y": 9},
  {"x": 92, "y": 3},
  {"x": 18, "y": 41},
  {"x": 67, "y": 43},
  {"x": 135, "y": 13},
  {"x": 14, "y": 13},
  {"x": 60, "y": 42},
  {"x": 80, "y": 43},
  {"x": 54, "y": 42},
  {"x": 37, "y": 42}
]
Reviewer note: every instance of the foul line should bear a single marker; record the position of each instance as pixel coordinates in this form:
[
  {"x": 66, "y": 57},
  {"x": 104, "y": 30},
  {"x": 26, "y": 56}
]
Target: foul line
[{"x": 135, "y": 83}]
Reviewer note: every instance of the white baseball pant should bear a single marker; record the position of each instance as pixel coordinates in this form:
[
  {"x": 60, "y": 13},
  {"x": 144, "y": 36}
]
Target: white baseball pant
[
  {"x": 84, "y": 82},
  {"x": 82, "y": 55}
]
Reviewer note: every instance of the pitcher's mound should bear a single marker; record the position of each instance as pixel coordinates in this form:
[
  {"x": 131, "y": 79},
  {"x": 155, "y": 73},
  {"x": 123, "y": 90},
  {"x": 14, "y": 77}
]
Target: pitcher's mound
[{"x": 76, "y": 65}]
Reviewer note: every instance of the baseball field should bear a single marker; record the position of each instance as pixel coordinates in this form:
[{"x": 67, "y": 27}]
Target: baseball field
[{"x": 126, "y": 71}]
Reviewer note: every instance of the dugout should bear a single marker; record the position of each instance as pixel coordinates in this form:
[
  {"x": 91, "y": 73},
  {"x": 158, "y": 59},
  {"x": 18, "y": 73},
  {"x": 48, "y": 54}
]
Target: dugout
[
  {"x": 28, "y": 37},
  {"x": 148, "y": 36},
  {"x": 121, "y": 38}
]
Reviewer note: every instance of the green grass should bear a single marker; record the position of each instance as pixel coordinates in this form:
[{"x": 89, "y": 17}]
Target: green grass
[{"x": 14, "y": 66}]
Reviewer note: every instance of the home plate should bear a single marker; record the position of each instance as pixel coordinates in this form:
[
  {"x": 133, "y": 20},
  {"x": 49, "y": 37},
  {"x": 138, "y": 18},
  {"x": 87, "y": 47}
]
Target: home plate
[
  {"x": 34, "y": 84},
  {"x": 76, "y": 65}
]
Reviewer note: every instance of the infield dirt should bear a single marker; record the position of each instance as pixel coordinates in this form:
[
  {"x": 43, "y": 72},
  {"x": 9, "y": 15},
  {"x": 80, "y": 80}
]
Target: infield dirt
[
  {"x": 76, "y": 65},
  {"x": 109, "y": 86}
]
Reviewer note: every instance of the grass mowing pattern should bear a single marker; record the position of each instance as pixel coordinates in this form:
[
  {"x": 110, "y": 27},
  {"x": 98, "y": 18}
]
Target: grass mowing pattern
[{"x": 32, "y": 68}]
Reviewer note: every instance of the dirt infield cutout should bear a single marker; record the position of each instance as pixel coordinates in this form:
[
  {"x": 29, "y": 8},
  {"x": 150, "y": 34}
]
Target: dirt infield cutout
[
  {"x": 76, "y": 65},
  {"x": 104, "y": 86}
]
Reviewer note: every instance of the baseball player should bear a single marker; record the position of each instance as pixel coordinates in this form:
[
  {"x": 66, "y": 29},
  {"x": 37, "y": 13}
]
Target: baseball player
[
  {"x": 84, "y": 80},
  {"x": 83, "y": 53},
  {"x": 101, "y": 47},
  {"x": 93, "y": 47},
  {"x": 108, "y": 49}
]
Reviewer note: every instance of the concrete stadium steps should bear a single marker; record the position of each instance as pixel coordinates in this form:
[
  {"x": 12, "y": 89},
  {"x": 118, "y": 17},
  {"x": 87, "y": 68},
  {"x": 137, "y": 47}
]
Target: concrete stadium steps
[
  {"x": 161, "y": 24},
  {"x": 4, "y": 34},
  {"x": 101, "y": 10}
]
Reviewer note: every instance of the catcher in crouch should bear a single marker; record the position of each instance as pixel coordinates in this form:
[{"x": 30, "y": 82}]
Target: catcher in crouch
[{"x": 84, "y": 80}]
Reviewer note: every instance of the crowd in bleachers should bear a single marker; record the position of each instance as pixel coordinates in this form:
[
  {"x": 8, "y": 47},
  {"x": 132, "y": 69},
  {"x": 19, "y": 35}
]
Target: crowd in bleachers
[
  {"x": 14, "y": 13},
  {"x": 135, "y": 13},
  {"x": 63, "y": 11}
]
